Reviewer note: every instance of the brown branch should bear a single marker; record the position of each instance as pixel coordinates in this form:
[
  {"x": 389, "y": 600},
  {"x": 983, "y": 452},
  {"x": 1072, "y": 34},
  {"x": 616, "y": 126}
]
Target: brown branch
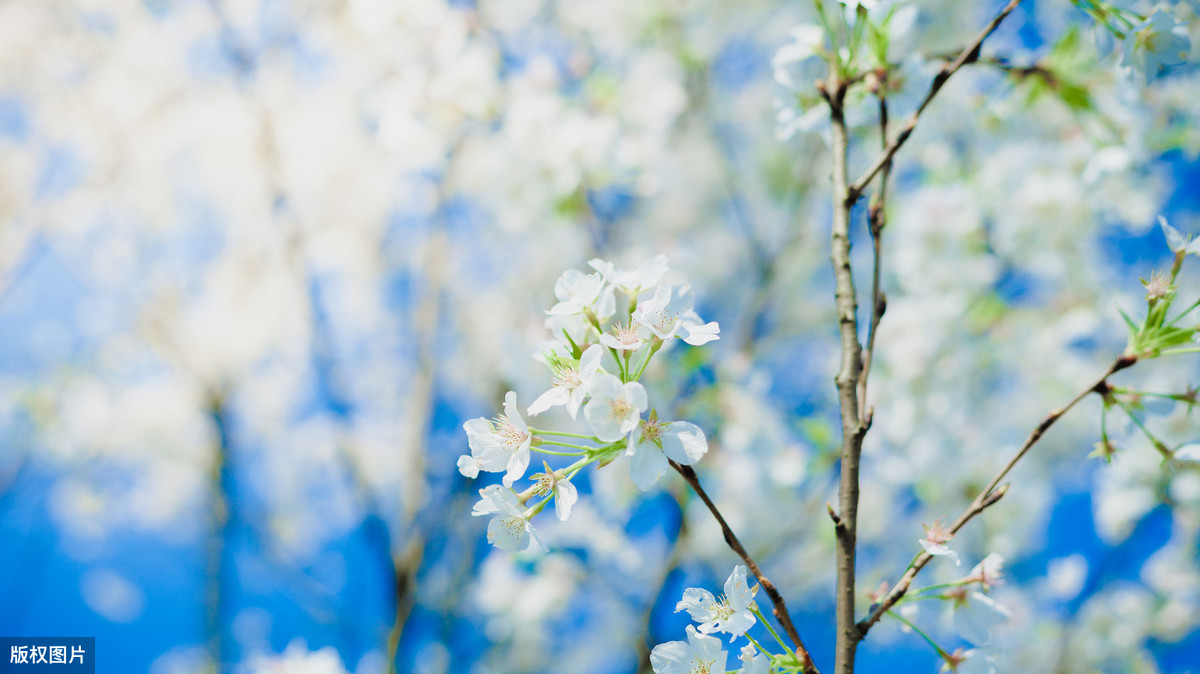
[
  {"x": 779, "y": 608},
  {"x": 853, "y": 430},
  {"x": 990, "y": 494},
  {"x": 969, "y": 54},
  {"x": 876, "y": 219}
]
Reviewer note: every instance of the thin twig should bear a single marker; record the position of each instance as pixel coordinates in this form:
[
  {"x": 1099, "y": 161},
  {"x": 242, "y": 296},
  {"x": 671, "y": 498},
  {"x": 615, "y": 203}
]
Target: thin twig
[
  {"x": 990, "y": 494},
  {"x": 876, "y": 219},
  {"x": 779, "y": 608},
  {"x": 969, "y": 54}
]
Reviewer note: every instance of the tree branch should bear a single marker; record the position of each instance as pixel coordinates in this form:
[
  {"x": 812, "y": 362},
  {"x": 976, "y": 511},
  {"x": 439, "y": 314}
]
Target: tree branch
[
  {"x": 990, "y": 494},
  {"x": 780, "y": 609},
  {"x": 876, "y": 219},
  {"x": 853, "y": 430},
  {"x": 969, "y": 54}
]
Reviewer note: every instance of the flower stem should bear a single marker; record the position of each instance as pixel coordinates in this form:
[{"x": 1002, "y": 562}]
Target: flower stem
[
  {"x": 551, "y": 452},
  {"x": 581, "y": 448},
  {"x": 654, "y": 347},
  {"x": 763, "y": 620},
  {"x": 758, "y": 645},
  {"x": 542, "y": 431},
  {"x": 940, "y": 651}
]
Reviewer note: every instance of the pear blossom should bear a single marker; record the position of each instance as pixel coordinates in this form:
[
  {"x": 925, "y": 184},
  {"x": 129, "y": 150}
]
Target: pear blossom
[
  {"x": 1155, "y": 44},
  {"x": 570, "y": 382},
  {"x": 731, "y": 613},
  {"x": 615, "y": 408},
  {"x": 646, "y": 276},
  {"x": 510, "y": 528},
  {"x": 988, "y": 572},
  {"x": 565, "y": 494},
  {"x": 669, "y": 313},
  {"x": 935, "y": 540},
  {"x": 626, "y": 337},
  {"x": 578, "y": 293},
  {"x": 975, "y": 614},
  {"x": 499, "y": 444},
  {"x": 700, "y": 654},
  {"x": 1179, "y": 243},
  {"x": 653, "y": 442},
  {"x": 754, "y": 662}
]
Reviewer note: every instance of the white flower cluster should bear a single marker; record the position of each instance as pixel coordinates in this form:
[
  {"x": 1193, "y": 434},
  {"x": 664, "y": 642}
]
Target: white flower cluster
[
  {"x": 588, "y": 323},
  {"x": 733, "y": 613}
]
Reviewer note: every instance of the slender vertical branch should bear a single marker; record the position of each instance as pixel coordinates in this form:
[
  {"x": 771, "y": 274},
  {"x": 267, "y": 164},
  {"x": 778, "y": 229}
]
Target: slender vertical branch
[
  {"x": 991, "y": 494},
  {"x": 779, "y": 607},
  {"x": 876, "y": 219},
  {"x": 847, "y": 381}
]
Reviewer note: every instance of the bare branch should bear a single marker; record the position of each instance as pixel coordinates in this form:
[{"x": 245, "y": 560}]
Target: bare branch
[
  {"x": 991, "y": 493},
  {"x": 969, "y": 54}
]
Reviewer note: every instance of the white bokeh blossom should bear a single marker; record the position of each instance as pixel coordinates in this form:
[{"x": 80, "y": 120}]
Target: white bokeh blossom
[{"x": 1155, "y": 44}]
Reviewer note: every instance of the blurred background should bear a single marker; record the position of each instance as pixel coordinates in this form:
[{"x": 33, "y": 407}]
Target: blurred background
[{"x": 261, "y": 259}]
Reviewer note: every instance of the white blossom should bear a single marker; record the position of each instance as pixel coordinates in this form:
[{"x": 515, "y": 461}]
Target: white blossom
[
  {"x": 653, "y": 442},
  {"x": 669, "y": 313},
  {"x": 510, "y": 528},
  {"x": 731, "y": 613},
  {"x": 1157, "y": 43},
  {"x": 500, "y": 444},
  {"x": 700, "y": 654},
  {"x": 570, "y": 382},
  {"x": 614, "y": 408}
]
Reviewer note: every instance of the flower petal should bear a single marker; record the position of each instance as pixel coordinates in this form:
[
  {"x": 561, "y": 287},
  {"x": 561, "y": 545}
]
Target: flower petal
[{"x": 684, "y": 442}]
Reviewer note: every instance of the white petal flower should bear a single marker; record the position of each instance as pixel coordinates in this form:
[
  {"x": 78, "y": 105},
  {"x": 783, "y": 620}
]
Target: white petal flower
[
  {"x": 1155, "y": 44},
  {"x": 570, "y": 382},
  {"x": 731, "y": 613},
  {"x": 988, "y": 572},
  {"x": 975, "y": 614},
  {"x": 669, "y": 313},
  {"x": 753, "y": 662},
  {"x": 501, "y": 444},
  {"x": 647, "y": 275},
  {"x": 577, "y": 292},
  {"x": 1177, "y": 242},
  {"x": 468, "y": 466},
  {"x": 653, "y": 442},
  {"x": 626, "y": 337},
  {"x": 614, "y": 408},
  {"x": 700, "y": 654},
  {"x": 935, "y": 540},
  {"x": 510, "y": 529},
  {"x": 565, "y": 494}
]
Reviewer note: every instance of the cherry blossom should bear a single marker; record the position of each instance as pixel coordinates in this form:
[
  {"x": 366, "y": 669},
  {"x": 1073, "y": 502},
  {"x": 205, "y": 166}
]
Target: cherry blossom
[
  {"x": 731, "y": 613},
  {"x": 700, "y": 654}
]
